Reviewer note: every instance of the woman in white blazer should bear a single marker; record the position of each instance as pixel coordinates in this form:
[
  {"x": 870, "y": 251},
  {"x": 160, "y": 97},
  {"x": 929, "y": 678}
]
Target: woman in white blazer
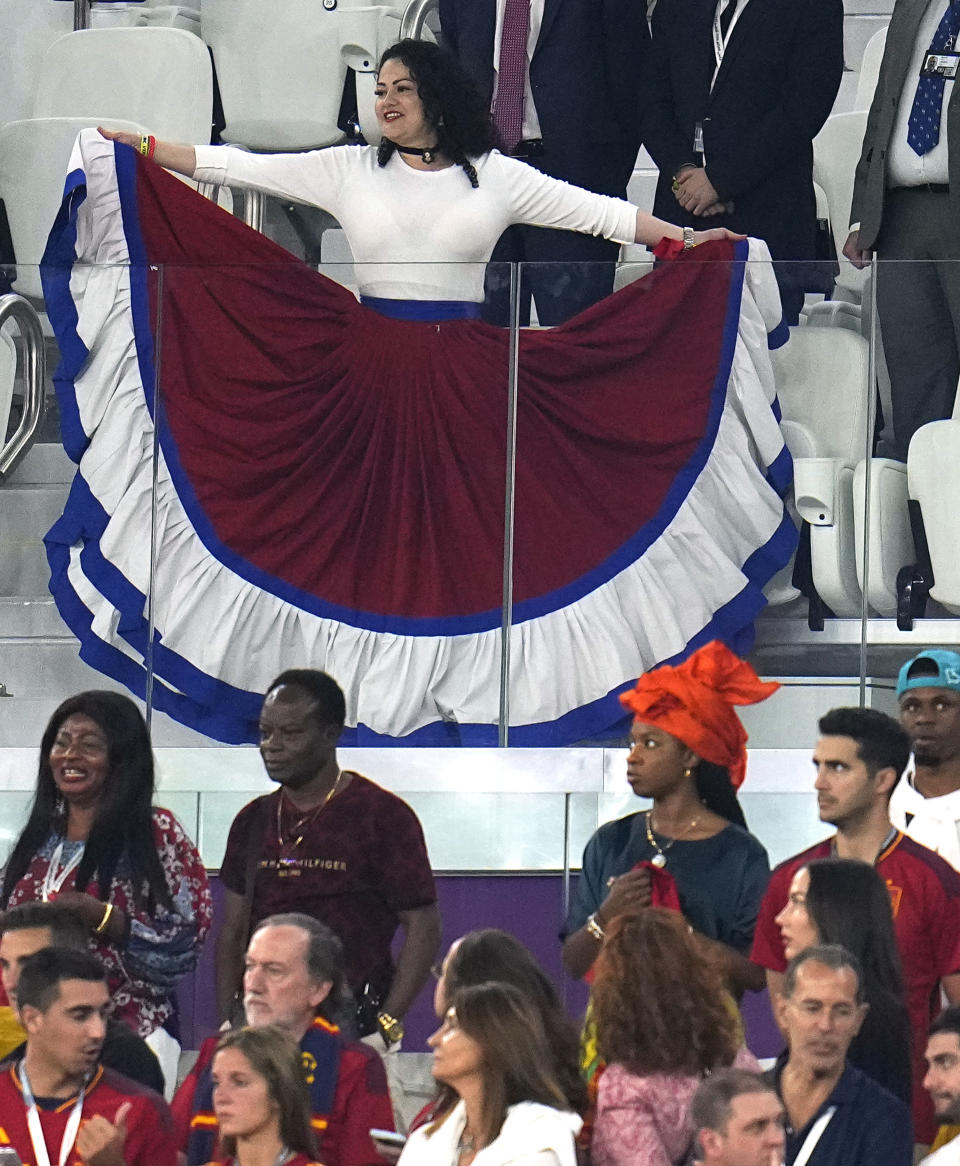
[{"x": 500, "y": 1103}]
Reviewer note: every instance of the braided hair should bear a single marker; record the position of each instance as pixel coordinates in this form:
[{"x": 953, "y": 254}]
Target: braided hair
[{"x": 452, "y": 104}]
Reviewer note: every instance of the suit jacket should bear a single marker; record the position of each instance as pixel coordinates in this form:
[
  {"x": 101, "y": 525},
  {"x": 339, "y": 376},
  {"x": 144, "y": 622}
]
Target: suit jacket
[
  {"x": 775, "y": 88},
  {"x": 583, "y": 75},
  {"x": 871, "y": 178}
]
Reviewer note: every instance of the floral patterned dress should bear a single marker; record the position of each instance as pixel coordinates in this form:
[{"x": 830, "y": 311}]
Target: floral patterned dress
[{"x": 161, "y": 948}]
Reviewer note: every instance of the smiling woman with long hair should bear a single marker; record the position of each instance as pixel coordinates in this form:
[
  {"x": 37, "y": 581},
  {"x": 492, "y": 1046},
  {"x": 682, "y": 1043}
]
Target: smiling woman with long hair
[
  {"x": 500, "y": 1101},
  {"x": 96, "y": 845}
]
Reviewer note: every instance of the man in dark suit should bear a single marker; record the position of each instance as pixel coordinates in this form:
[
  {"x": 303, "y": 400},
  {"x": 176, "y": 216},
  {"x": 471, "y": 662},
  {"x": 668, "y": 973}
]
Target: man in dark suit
[
  {"x": 906, "y": 206},
  {"x": 579, "y": 122},
  {"x": 732, "y": 103}
]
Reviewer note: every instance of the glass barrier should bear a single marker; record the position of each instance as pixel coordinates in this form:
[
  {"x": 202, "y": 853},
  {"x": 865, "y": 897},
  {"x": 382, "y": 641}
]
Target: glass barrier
[{"x": 549, "y": 510}]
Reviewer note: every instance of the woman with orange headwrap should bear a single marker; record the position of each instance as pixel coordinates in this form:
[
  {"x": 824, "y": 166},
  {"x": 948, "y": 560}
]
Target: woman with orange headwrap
[{"x": 691, "y": 850}]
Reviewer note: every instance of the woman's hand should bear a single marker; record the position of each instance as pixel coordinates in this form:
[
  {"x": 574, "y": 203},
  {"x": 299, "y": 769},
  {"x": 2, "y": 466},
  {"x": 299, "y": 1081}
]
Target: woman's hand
[
  {"x": 169, "y": 155},
  {"x": 630, "y": 892},
  {"x": 91, "y": 912},
  {"x": 714, "y": 233},
  {"x": 124, "y": 137}
]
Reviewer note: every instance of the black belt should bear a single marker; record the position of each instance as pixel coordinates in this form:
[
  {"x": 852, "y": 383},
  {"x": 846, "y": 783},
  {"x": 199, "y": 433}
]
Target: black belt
[
  {"x": 928, "y": 187},
  {"x": 528, "y": 148}
]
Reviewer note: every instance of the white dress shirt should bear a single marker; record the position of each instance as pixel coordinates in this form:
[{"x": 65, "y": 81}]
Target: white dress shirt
[{"x": 904, "y": 167}]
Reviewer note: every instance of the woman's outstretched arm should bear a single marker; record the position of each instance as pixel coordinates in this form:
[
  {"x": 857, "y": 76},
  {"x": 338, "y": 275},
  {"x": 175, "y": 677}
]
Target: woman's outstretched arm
[
  {"x": 169, "y": 155},
  {"x": 651, "y": 230}
]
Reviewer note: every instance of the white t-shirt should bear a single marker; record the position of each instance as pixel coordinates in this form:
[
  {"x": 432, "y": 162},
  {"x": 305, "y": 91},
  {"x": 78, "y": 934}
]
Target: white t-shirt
[
  {"x": 420, "y": 234},
  {"x": 933, "y": 822},
  {"x": 948, "y": 1155}
]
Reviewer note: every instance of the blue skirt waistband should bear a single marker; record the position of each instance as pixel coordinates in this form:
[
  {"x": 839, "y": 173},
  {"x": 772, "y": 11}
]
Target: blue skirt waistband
[{"x": 423, "y": 309}]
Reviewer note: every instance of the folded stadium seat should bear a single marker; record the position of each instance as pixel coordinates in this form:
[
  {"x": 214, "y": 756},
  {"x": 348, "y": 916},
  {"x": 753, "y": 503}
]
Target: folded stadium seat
[
  {"x": 822, "y": 386},
  {"x": 835, "y": 151},
  {"x": 888, "y": 539},
  {"x": 870, "y": 70},
  {"x": 933, "y": 474},
  {"x": 282, "y": 71}
]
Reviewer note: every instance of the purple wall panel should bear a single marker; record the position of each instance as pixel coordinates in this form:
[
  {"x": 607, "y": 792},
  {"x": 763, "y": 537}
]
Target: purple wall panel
[{"x": 528, "y": 906}]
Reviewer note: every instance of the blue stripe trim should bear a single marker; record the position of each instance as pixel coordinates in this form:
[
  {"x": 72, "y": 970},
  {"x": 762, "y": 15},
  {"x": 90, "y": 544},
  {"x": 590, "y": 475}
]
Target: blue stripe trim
[
  {"x": 55, "y": 269},
  {"x": 779, "y": 336},
  {"x": 425, "y": 310}
]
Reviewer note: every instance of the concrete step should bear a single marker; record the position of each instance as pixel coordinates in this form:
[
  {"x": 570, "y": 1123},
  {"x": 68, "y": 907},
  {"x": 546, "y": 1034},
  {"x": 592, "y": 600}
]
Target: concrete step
[{"x": 26, "y": 513}]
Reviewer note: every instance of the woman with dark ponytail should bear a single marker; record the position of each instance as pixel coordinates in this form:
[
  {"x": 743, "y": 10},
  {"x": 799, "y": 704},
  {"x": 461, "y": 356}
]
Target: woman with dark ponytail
[
  {"x": 95, "y": 844},
  {"x": 691, "y": 849}
]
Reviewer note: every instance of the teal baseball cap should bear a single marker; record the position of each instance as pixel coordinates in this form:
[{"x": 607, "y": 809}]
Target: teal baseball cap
[{"x": 947, "y": 674}]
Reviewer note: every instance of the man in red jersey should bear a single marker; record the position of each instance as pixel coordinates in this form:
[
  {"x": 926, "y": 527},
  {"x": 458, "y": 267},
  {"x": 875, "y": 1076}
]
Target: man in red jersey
[
  {"x": 859, "y": 758},
  {"x": 57, "y": 1104},
  {"x": 294, "y": 979}
]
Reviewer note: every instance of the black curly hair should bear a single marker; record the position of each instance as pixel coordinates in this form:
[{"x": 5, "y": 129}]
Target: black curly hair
[{"x": 451, "y": 104}]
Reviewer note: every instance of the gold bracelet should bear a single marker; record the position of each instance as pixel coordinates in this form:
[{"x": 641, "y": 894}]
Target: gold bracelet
[
  {"x": 101, "y": 927},
  {"x": 594, "y": 928}
]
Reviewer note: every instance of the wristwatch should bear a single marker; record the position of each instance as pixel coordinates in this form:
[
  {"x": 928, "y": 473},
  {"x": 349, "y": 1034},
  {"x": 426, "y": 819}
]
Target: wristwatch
[
  {"x": 688, "y": 240},
  {"x": 391, "y": 1029}
]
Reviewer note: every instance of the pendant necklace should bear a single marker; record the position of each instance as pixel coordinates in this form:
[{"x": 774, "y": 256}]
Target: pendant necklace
[
  {"x": 300, "y": 828},
  {"x": 659, "y": 860}
]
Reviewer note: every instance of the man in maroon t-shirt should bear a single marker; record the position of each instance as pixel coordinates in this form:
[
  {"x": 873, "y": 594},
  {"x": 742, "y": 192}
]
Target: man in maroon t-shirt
[
  {"x": 859, "y": 758},
  {"x": 334, "y": 845}
]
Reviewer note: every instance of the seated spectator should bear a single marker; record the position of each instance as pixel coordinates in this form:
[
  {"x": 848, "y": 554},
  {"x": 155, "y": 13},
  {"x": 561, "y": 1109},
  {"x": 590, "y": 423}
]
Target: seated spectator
[
  {"x": 844, "y": 901},
  {"x": 663, "y": 1020},
  {"x": 942, "y": 1081},
  {"x": 33, "y": 927},
  {"x": 261, "y": 1100},
  {"x": 500, "y": 1102},
  {"x": 738, "y": 1120},
  {"x": 691, "y": 849},
  {"x": 491, "y": 955},
  {"x": 63, "y": 1000},
  {"x": 836, "y": 1115},
  {"x": 294, "y": 980}
]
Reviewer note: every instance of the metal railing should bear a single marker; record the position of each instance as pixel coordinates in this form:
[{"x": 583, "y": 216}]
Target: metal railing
[
  {"x": 415, "y": 17},
  {"x": 13, "y": 307}
]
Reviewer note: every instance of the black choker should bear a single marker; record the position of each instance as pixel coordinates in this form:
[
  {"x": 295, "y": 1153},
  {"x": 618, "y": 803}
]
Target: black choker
[{"x": 429, "y": 155}]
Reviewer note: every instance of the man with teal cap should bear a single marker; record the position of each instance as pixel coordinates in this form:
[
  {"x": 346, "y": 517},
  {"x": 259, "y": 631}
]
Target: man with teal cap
[{"x": 926, "y": 801}]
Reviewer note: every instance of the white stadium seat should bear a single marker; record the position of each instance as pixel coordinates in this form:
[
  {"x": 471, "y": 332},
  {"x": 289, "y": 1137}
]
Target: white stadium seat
[
  {"x": 33, "y": 163},
  {"x": 836, "y": 150},
  {"x": 933, "y": 471},
  {"x": 159, "y": 77},
  {"x": 870, "y": 70},
  {"x": 821, "y": 377},
  {"x": 281, "y": 70}
]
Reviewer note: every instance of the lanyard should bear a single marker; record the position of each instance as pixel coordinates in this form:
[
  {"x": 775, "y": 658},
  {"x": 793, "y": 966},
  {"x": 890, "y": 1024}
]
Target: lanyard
[
  {"x": 816, "y": 1133},
  {"x": 40, "y": 1154},
  {"x": 719, "y": 39},
  {"x": 54, "y": 879}
]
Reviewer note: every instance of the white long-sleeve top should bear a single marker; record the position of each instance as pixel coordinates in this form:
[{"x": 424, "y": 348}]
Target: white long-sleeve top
[
  {"x": 531, "y": 1135},
  {"x": 420, "y": 234}
]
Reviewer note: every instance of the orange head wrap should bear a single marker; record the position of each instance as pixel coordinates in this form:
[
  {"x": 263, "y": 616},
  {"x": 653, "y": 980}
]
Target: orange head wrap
[{"x": 693, "y": 702}]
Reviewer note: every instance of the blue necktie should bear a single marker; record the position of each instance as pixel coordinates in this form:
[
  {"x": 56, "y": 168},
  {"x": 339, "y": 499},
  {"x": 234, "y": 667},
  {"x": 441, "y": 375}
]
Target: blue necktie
[{"x": 923, "y": 128}]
